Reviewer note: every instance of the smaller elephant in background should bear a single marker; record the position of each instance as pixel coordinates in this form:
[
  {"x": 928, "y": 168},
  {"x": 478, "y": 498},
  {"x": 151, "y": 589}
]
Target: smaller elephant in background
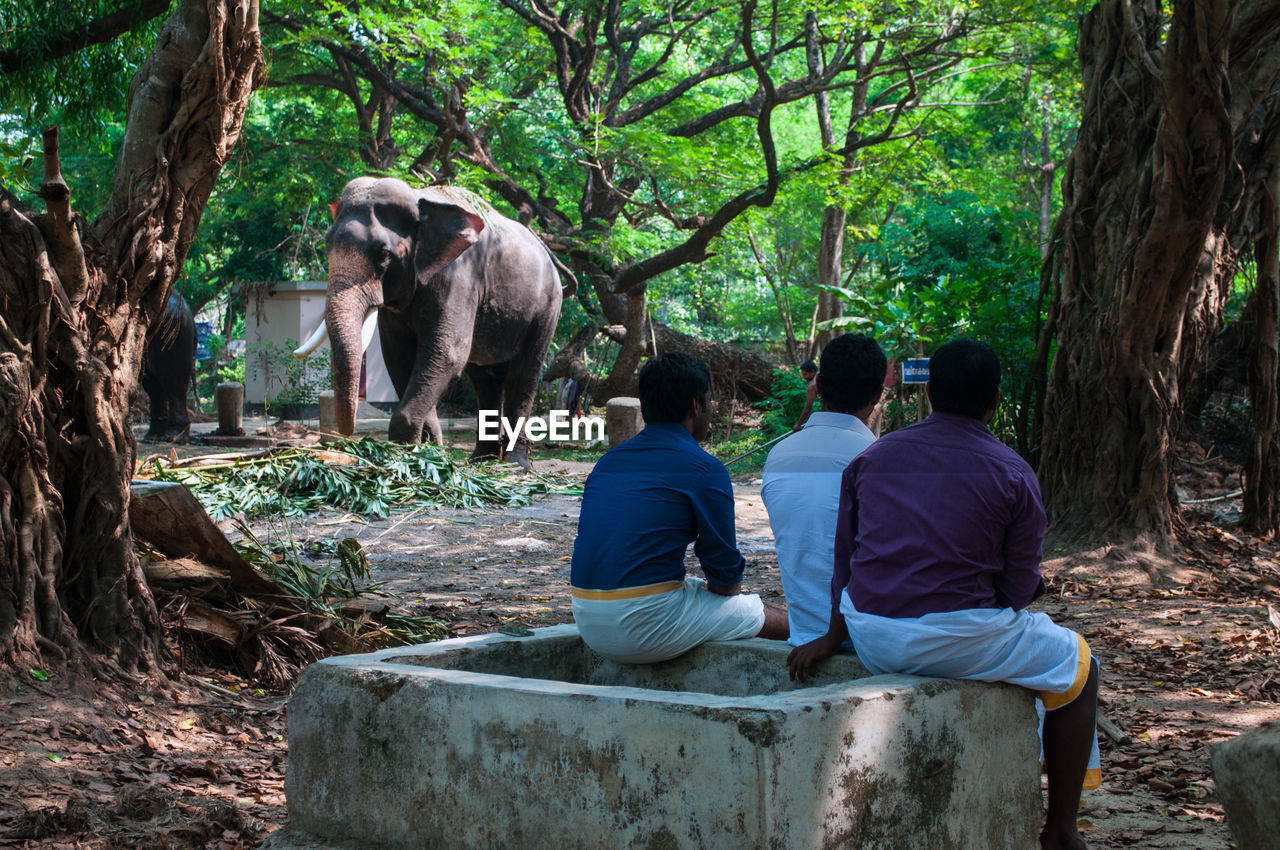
[{"x": 167, "y": 367}]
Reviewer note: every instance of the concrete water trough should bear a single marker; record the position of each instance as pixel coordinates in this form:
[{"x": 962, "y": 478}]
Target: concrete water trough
[{"x": 537, "y": 742}]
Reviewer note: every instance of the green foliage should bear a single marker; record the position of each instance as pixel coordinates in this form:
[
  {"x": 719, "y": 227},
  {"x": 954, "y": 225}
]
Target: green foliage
[
  {"x": 366, "y": 477},
  {"x": 290, "y": 381},
  {"x": 731, "y": 453},
  {"x": 348, "y": 578},
  {"x": 784, "y": 404},
  {"x": 86, "y": 87},
  {"x": 944, "y": 268}
]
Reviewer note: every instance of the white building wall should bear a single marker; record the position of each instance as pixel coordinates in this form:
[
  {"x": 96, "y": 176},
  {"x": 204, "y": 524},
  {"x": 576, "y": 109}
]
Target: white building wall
[{"x": 275, "y": 325}]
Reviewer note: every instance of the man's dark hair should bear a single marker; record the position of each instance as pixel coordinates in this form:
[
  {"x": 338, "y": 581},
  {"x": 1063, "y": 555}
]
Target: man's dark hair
[
  {"x": 808, "y": 366},
  {"x": 964, "y": 378},
  {"x": 670, "y": 383},
  {"x": 853, "y": 369}
]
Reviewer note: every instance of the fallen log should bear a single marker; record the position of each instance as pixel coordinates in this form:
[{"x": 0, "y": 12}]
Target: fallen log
[
  {"x": 167, "y": 517},
  {"x": 214, "y": 599},
  {"x": 182, "y": 572}
]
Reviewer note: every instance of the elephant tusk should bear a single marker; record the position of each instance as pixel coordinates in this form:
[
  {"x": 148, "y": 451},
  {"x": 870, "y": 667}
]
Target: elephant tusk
[
  {"x": 321, "y": 333},
  {"x": 370, "y": 325},
  {"x": 318, "y": 336}
]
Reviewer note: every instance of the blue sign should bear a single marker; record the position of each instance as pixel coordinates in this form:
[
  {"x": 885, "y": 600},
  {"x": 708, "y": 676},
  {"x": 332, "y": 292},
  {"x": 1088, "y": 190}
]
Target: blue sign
[
  {"x": 915, "y": 370},
  {"x": 204, "y": 330}
]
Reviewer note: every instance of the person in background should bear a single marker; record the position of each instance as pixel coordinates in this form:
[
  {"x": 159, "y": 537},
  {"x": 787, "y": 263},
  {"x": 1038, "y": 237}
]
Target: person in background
[{"x": 808, "y": 371}]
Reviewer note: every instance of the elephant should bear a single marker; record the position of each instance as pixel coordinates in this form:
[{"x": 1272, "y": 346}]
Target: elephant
[
  {"x": 167, "y": 366},
  {"x": 456, "y": 287}
]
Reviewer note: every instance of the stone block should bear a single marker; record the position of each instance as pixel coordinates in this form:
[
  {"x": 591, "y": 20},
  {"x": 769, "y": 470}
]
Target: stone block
[
  {"x": 622, "y": 419},
  {"x": 328, "y": 412},
  {"x": 230, "y": 401},
  {"x": 1246, "y": 774},
  {"x": 537, "y": 742}
]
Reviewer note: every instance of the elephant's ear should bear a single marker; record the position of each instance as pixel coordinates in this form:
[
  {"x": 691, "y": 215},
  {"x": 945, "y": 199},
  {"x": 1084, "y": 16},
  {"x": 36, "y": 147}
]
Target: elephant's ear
[{"x": 444, "y": 232}]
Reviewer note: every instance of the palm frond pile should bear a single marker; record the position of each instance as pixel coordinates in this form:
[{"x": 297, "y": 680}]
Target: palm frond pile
[{"x": 365, "y": 477}]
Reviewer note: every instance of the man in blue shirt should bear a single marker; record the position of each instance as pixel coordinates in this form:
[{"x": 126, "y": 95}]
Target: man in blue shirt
[{"x": 645, "y": 501}]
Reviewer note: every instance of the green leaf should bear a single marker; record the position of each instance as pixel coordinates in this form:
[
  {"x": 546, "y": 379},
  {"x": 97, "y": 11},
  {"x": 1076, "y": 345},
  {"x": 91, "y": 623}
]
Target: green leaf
[
  {"x": 837, "y": 290},
  {"x": 844, "y": 322},
  {"x": 39, "y": 675}
]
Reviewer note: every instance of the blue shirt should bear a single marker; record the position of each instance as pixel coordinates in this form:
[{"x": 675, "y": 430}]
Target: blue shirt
[
  {"x": 940, "y": 516},
  {"x": 645, "y": 501}
]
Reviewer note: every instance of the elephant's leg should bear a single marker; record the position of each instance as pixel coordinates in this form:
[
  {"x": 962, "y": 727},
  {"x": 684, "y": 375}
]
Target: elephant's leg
[
  {"x": 158, "y": 406},
  {"x": 488, "y": 381},
  {"x": 523, "y": 376},
  {"x": 179, "y": 419},
  {"x": 414, "y": 420},
  {"x": 434, "y": 367},
  {"x": 399, "y": 350}
]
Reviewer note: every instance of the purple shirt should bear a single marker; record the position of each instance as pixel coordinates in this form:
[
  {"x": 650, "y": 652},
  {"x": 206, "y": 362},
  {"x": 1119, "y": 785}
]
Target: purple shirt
[{"x": 940, "y": 516}]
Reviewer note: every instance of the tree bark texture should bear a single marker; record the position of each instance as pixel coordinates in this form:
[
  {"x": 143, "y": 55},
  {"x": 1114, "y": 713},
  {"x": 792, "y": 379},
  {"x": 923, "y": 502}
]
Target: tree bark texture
[
  {"x": 76, "y": 302},
  {"x": 1262, "y": 468},
  {"x": 1158, "y": 206},
  {"x": 830, "y": 260}
]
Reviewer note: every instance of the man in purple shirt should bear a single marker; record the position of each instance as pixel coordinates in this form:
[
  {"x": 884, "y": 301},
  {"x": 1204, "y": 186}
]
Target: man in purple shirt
[{"x": 937, "y": 555}]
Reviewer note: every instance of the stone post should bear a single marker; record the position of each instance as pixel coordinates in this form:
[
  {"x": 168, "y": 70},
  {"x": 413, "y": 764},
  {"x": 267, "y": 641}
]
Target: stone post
[
  {"x": 230, "y": 400},
  {"x": 622, "y": 419},
  {"x": 328, "y": 412}
]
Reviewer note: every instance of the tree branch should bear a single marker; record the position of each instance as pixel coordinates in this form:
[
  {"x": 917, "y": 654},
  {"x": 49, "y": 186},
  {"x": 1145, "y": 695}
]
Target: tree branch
[
  {"x": 57, "y": 45},
  {"x": 694, "y": 248}
]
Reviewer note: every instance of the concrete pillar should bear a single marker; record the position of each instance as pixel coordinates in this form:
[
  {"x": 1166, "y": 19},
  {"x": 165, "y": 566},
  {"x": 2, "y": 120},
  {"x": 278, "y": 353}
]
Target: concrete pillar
[
  {"x": 622, "y": 419},
  {"x": 230, "y": 400},
  {"x": 328, "y": 412}
]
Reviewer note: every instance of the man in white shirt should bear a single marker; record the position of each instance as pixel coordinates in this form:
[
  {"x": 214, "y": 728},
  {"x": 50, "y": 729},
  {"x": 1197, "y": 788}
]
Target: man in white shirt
[{"x": 801, "y": 488}]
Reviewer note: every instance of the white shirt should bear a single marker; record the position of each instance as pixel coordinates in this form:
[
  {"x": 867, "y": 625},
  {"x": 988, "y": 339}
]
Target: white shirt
[{"x": 801, "y": 492}]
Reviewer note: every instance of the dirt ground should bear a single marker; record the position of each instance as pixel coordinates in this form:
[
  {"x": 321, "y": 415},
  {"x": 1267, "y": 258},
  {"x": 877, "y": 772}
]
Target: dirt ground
[{"x": 1189, "y": 660}]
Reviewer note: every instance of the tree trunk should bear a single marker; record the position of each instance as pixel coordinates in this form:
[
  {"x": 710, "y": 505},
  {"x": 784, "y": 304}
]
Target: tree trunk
[
  {"x": 830, "y": 257},
  {"x": 1172, "y": 180},
  {"x": 831, "y": 237},
  {"x": 1137, "y": 290},
  {"x": 1262, "y": 469},
  {"x": 781, "y": 300},
  {"x": 78, "y": 301}
]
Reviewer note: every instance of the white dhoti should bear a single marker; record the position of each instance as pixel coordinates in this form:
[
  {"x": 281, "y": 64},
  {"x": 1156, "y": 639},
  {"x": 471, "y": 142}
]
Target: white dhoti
[
  {"x": 986, "y": 644},
  {"x": 655, "y": 622}
]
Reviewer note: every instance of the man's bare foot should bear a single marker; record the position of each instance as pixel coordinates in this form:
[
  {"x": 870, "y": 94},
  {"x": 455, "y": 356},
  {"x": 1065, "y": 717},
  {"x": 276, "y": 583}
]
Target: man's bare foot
[{"x": 1063, "y": 840}]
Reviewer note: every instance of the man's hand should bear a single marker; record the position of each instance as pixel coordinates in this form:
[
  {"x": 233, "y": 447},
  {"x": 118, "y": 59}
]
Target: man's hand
[
  {"x": 725, "y": 589},
  {"x": 800, "y": 660}
]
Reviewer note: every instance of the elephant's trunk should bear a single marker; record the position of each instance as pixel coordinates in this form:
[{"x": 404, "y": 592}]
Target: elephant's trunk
[{"x": 351, "y": 298}]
